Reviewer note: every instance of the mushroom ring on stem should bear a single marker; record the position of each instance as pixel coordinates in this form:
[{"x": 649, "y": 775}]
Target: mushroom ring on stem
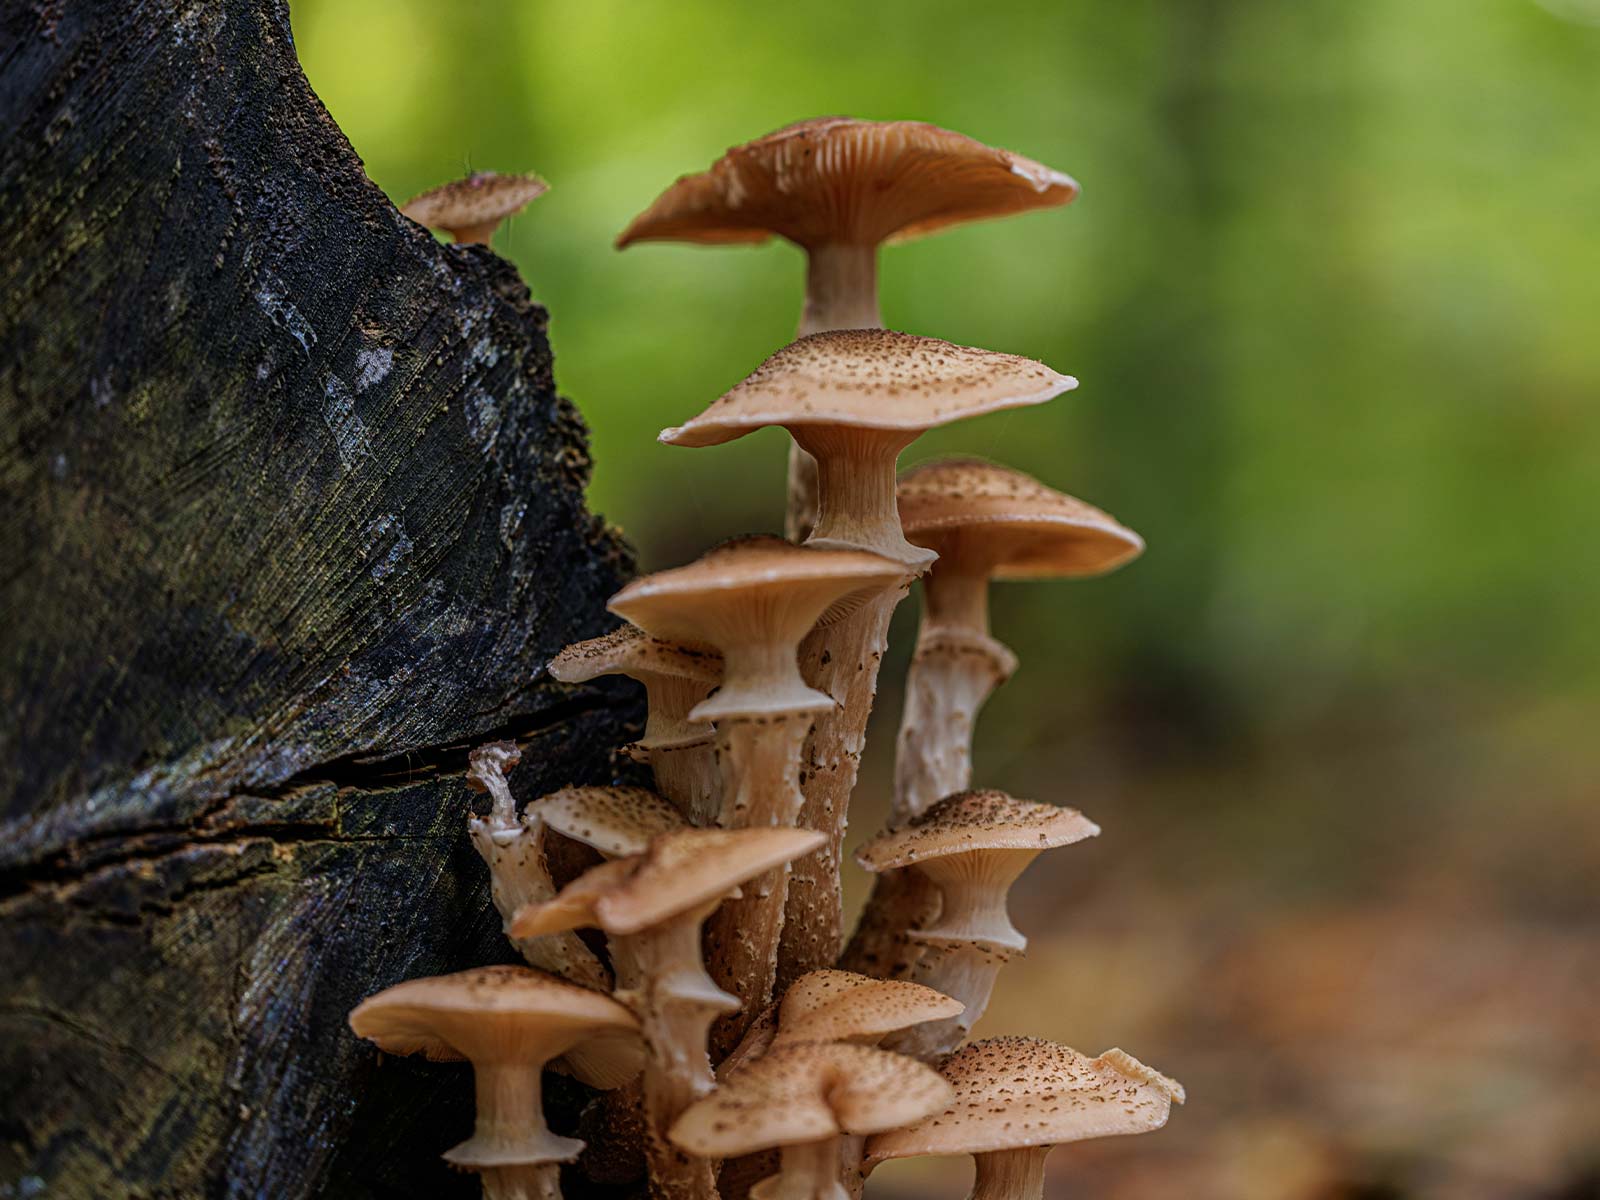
[
  {"x": 471, "y": 209},
  {"x": 1016, "y": 1098},
  {"x": 508, "y": 1022},
  {"x": 652, "y": 906},
  {"x": 972, "y": 847}
]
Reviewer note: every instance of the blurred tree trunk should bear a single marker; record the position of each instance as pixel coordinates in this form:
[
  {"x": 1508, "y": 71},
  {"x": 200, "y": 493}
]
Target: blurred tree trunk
[{"x": 290, "y": 516}]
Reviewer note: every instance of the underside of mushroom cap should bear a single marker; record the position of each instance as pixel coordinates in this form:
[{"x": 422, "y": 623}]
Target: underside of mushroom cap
[
  {"x": 984, "y": 517},
  {"x": 617, "y": 821},
  {"x": 976, "y": 820},
  {"x": 806, "y": 1092},
  {"x": 479, "y": 199},
  {"x": 871, "y": 379},
  {"x": 843, "y": 180},
  {"x": 837, "y": 1006},
  {"x": 1016, "y": 1092}
]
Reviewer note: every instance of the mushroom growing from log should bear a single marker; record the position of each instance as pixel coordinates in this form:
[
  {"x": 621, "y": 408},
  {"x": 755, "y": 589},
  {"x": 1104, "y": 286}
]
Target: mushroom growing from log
[
  {"x": 518, "y": 872},
  {"x": 855, "y": 399},
  {"x": 754, "y": 599},
  {"x": 471, "y": 209},
  {"x": 801, "y": 1099},
  {"x": 1017, "y": 1098},
  {"x": 616, "y": 821},
  {"x": 838, "y": 187},
  {"x": 972, "y": 847},
  {"x": 508, "y": 1022},
  {"x": 652, "y": 906},
  {"x": 681, "y": 752}
]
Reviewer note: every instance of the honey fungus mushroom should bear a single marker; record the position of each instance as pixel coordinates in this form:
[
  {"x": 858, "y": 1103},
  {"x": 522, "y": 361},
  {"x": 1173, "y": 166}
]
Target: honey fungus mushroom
[
  {"x": 972, "y": 847},
  {"x": 471, "y": 209},
  {"x": 802, "y": 1099},
  {"x": 508, "y": 1022},
  {"x": 616, "y": 821},
  {"x": 1017, "y": 1098}
]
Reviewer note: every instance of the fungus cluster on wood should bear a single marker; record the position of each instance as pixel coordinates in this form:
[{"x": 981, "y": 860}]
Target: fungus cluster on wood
[{"x": 747, "y": 1051}]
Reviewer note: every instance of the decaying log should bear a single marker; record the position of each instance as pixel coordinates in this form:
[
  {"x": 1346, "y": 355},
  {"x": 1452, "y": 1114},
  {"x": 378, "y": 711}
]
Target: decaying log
[{"x": 290, "y": 516}]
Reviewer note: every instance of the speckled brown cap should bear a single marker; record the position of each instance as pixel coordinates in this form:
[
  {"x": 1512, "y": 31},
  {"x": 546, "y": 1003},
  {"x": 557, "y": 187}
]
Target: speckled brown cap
[
  {"x": 628, "y": 650},
  {"x": 471, "y": 208},
  {"x": 807, "y": 1092},
  {"x": 989, "y": 518},
  {"x": 841, "y": 1006},
  {"x": 617, "y": 821},
  {"x": 842, "y": 180},
  {"x": 1016, "y": 1092},
  {"x": 871, "y": 379},
  {"x": 973, "y": 821}
]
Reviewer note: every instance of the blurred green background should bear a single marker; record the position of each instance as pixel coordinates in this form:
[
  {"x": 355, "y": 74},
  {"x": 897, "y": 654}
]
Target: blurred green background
[{"x": 1333, "y": 294}]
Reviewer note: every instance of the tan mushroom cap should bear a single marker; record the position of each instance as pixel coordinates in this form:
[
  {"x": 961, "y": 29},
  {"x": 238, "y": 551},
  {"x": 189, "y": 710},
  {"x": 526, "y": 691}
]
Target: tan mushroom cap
[
  {"x": 871, "y": 379},
  {"x": 630, "y": 651},
  {"x": 979, "y": 515},
  {"x": 807, "y": 1092},
  {"x": 1016, "y": 1092},
  {"x": 680, "y": 872},
  {"x": 482, "y": 198},
  {"x": 838, "y": 179},
  {"x": 972, "y": 821},
  {"x": 616, "y": 821},
  {"x": 830, "y": 1005}
]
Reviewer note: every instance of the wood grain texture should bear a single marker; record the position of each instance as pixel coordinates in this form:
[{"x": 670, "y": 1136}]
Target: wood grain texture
[{"x": 291, "y": 515}]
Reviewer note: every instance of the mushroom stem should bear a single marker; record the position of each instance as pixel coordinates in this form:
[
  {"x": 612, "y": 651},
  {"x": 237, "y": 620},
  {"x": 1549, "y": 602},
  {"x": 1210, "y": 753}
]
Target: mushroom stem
[
  {"x": 540, "y": 1182},
  {"x": 1010, "y": 1174},
  {"x": 510, "y": 1143},
  {"x": 856, "y": 506},
  {"x": 964, "y": 971},
  {"x": 808, "y": 1171},
  {"x": 956, "y": 600},
  {"x": 688, "y": 776},
  {"x": 668, "y": 699},
  {"x": 479, "y": 235}
]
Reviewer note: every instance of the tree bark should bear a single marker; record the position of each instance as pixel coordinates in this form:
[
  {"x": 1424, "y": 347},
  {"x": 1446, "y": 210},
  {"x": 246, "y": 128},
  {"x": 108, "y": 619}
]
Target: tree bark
[{"x": 291, "y": 516}]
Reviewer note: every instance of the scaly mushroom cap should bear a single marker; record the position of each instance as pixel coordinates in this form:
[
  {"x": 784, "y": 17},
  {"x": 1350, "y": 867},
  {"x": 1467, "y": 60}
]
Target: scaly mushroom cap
[
  {"x": 842, "y": 180},
  {"x": 841, "y": 1006},
  {"x": 806, "y": 1092},
  {"x": 630, "y": 651},
  {"x": 1016, "y": 1092},
  {"x": 482, "y": 198},
  {"x": 871, "y": 379},
  {"x": 989, "y": 518},
  {"x": 681, "y": 871},
  {"x": 971, "y": 821},
  {"x": 617, "y": 821},
  {"x": 755, "y": 591},
  {"x": 500, "y": 1014}
]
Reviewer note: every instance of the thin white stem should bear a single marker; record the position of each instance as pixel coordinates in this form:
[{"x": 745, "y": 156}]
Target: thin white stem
[
  {"x": 856, "y": 504},
  {"x": 540, "y": 1181},
  {"x": 808, "y": 1171}
]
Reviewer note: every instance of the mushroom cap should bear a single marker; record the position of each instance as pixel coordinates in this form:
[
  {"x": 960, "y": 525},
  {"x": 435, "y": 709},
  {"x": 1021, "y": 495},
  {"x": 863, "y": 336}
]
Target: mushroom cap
[
  {"x": 681, "y": 871},
  {"x": 491, "y": 758},
  {"x": 978, "y": 820},
  {"x": 829, "y": 1005},
  {"x": 500, "y": 1014},
  {"x": 806, "y": 1092},
  {"x": 630, "y": 651},
  {"x": 871, "y": 379},
  {"x": 842, "y": 180},
  {"x": 480, "y": 198},
  {"x": 1008, "y": 524},
  {"x": 1015, "y": 1092},
  {"x": 616, "y": 821}
]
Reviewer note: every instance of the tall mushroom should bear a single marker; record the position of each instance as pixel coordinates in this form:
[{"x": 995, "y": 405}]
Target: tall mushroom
[
  {"x": 518, "y": 872},
  {"x": 986, "y": 522},
  {"x": 855, "y": 399},
  {"x": 471, "y": 209},
  {"x": 681, "y": 752},
  {"x": 1017, "y": 1098},
  {"x": 754, "y": 599},
  {"x": 801, "y": 1099},
  {"x": 652, "y": 906},
  {"x": 508, "y": 1022},
  {"x": 972, "y": 847},
  {"x": 838, "y": 187}
]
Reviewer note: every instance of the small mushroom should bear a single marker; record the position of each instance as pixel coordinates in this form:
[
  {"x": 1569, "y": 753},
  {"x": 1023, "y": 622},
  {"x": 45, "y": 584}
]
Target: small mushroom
[
  {"x": 652, "y": 907},
  {"x": 508, "y": 1022},
  {"x": 1016, "y": 1098},
  {"x": 801, "y": 1099},
  {"x": 617, "y": 821},
  {"x": 971, "y": 846},
  {"x": 680, "y": 751},
  {"x": 754, "y": 599},
  {"x": 471, "y": 209},
  {"x": 830, "y": 1005},
  {"x": 518, "y": 872}
]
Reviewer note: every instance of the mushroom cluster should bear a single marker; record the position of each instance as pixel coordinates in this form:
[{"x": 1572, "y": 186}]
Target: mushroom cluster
[{"x": 739, "y": 1047}]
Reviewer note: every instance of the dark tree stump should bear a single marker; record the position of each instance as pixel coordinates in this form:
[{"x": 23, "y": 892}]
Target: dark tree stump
[{"x": 290, "y": 516}]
